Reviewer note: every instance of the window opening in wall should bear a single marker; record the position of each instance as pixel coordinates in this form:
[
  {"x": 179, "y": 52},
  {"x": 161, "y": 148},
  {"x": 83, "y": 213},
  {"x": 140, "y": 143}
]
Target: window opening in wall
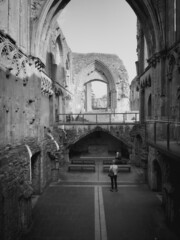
[
  {"x": 145, "y": 53},
  {"x": 175, "y": 15},
  {"x": 149, "y": 107},
  {"x": 96, "y": 93},
  {"x": 157, "y": 176}
]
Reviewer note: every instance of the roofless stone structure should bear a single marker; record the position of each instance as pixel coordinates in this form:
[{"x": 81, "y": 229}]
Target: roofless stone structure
[{"x": 106, "y": 68}]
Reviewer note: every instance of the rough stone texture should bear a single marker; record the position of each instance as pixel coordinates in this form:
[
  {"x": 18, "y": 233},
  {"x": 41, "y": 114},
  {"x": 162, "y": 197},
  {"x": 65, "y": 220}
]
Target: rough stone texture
[
  {"x": 19, "y": 95},
  {"x": 120, "y": 134},
  {"x": 115, "y": 64},
  {"x": 15, "y": 192},
  {"x": 139, "y": 150},
  {"x": 24, "y": 109},
  {"x": 163, "y": 176},
  {"x": 30, "y": 40}
]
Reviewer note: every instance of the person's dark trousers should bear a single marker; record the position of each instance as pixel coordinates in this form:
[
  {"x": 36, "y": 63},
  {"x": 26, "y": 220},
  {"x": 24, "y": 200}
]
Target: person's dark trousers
[{"x": 114, "y": 182}]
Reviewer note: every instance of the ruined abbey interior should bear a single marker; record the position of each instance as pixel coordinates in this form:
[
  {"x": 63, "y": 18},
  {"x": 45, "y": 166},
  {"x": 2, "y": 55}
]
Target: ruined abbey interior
[{"x": 50, "y": 115}]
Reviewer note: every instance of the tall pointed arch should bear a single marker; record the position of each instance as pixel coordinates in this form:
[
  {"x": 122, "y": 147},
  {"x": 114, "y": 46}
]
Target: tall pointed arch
[
  {"x": 42, "y": 22},
  {"x": 97, "y": 69},
  {"x": 150, "y": 15}
]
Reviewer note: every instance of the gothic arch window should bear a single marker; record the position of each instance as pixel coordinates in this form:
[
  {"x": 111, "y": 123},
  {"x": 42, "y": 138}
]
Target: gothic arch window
[
  {"x": 149, "y": 107},
  {"x": 35, "y": 172},
  {"x": 97, "y": 70},
  {"x": 59, "y": 68},
  {"x": 145, "y": 53},
  {"x": 59, "y": 52},
  {"x": 49, "y": 64},
  {"x": 96, "y": 95}
]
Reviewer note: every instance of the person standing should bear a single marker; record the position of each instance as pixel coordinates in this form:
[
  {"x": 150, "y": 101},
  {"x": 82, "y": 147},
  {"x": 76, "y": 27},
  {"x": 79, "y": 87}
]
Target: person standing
[
  {"x": 113, "y": 170},
  {"x": 118, "y": 156}
]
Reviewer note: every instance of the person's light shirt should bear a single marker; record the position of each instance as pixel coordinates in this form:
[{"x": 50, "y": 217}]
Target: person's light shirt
[{"x": 114, "y": 168}]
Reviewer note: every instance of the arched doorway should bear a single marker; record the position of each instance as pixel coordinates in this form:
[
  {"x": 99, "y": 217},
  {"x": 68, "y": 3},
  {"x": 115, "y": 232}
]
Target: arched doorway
[
  {"x": 144, "y": 11},
  {"x": 35, "y": 172},
  {"x": 157, "y": 176},
  {"x": 98, "y": 143}
]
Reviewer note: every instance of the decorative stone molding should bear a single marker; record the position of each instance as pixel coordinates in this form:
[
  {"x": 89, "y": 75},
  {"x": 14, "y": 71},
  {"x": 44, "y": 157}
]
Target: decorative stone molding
[
  {"x": 67, "y": 97},
  {"x": 171, "y": 64},
  {"x": 138, "y": 84},
  {"x": 37, "y": 62},
  {"x": 46, "y": 85},
  {"x": 11, "y": 58},
  {"x": 173, "y": 60},
  {"x": 173, "y": 57},
  {"x": 146, "y": 82},
  {"x": 14, "y": 62},
  {"x": 178, "y": 92},
  {"x": 36, "y": 6},
  {"x": 58, "y": 92},
  {"x": 156, "y": 58},
  {"x": 177, "y": 51}
]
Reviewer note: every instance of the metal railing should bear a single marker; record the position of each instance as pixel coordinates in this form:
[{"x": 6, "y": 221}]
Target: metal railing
[
  {"x": 165, "y": 134},
  {"x": 98, "y": 118}
]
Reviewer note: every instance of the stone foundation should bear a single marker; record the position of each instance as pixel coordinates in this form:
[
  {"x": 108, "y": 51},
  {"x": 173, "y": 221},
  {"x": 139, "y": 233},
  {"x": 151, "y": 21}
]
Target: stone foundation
[
  {"x": 15, "y": 193},
  {"x": 166, "y": 170}
]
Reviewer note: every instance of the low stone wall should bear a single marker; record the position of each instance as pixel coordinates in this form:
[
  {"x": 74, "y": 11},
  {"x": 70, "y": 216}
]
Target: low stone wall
[{"x": 15, "y": 192}]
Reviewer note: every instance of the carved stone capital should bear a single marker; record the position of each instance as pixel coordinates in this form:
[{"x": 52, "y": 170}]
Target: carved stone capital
[
  {"x": 177, "y": 51},
  {"x": 178, "y": 92},
  {"x": 36, "y": 7},
  {"x": 171, "y": 64},
  {"x": 46, "y": 85},
  {"x": 37, "y": 62},
  {"x": 156, "y": 58},
  {"x": 11, "y": 58}
]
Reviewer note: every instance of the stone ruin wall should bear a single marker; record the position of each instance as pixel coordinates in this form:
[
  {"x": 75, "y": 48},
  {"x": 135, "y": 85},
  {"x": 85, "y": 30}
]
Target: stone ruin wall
[
  {"x": 134, "y": 95},
  {"x": 80, "y": 63},
  {"x": 15, "y": 192}
]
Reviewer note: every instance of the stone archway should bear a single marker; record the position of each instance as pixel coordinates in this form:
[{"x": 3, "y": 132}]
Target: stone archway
[
  {"x": 98, "y": 142},
  {"x": 46, "y": 14},
  {"x": 91, "y": 101},
  {"x": 97, "y": 71},
  {"x": 35, "y": 172}
]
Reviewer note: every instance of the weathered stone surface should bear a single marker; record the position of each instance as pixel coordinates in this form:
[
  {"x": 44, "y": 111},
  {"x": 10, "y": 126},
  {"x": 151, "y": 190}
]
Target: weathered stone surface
[
  {"x": 15, "y": 192},
  {"x": 134, "y": 95},
  {"x": 29, "y": 103},
  {"x": 104, "y": 67}
]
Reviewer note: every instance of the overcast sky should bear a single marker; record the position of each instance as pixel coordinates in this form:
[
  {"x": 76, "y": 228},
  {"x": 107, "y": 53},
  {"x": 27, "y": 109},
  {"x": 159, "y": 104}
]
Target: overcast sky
[{"x": 102, "y": 26}]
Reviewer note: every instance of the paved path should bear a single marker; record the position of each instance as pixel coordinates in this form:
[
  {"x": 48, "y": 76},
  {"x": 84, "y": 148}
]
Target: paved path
[{"x": 87, "y": 210}]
